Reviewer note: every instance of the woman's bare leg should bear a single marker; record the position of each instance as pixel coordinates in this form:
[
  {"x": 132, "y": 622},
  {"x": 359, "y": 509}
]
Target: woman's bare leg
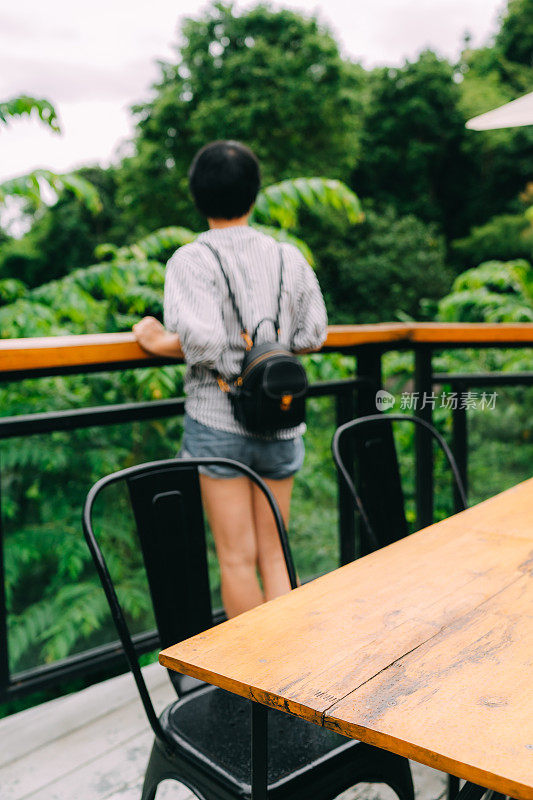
[
  {"x": 270, "y": 554},
  {"x": 229, "y": 506}
]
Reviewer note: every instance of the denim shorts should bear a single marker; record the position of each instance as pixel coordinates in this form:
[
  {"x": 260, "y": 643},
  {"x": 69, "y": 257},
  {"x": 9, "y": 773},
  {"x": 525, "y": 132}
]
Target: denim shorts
[{"x": 275, "y": 459}]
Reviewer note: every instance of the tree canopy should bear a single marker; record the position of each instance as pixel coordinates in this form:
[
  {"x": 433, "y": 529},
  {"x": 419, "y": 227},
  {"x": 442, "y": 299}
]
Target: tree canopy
[
  {"x": 276, "y": 80},
  {"x": 272, "y": 79},
  {"x": 516, "y": 33},
  {"x": 412, "y": 142}
]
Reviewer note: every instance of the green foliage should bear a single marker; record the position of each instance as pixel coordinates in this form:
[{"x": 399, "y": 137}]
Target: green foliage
[
  {"x": 156, "y": 245},
  {"x": 515, "y": 36},
  {"x": 22, "y": 260},
  {"x": 500, "y": 160},
  {"x": 281, "y": 202},
  {"x": 504, "y": 237},
  {"x": 416, "y": 154},
  {"x": 11, "y": 290},
  {"x": 373, "y": 272},
  {"x": 412, "y": 142},
  {"x": 102, "y": 297},
  {"x": 128, "y": 284},
  {"x": 493, "y": 292},
  {"x": 30, "y": 187},
  {"x": 63, "y": 236},
  {"x": 55, "y": 602},
  {"x": 24, "y": 105}
]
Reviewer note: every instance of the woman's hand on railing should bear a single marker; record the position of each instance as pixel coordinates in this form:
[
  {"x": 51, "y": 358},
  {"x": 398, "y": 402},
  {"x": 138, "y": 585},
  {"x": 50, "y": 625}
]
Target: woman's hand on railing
[{"x": 155, "y": 339}]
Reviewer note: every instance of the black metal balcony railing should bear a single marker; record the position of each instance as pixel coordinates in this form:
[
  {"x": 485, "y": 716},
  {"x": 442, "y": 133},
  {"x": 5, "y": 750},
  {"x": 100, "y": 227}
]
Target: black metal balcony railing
[{"x": 32, "y": 358}]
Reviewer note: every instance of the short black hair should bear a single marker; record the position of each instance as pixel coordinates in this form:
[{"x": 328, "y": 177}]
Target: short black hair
[{"x": 224, "y": 178}]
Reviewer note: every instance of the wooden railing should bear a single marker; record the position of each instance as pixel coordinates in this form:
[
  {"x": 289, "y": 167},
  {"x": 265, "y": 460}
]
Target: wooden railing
[{"x": 108, "y": 350}]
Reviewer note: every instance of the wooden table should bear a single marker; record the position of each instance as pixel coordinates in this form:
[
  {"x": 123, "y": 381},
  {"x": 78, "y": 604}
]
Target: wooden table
[{"x": 424, "y": 648}]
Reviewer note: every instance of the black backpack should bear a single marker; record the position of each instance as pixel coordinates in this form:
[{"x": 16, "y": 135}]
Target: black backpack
[{"x": 269, "y": 393}]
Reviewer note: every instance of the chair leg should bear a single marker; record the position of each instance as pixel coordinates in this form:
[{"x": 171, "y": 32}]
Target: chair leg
[
  {"x": 159, "y": 767},
  {"x": 380, "y": 766},
  {"x": 453, "y": 787},
  {"x": 404, "y": 787}
]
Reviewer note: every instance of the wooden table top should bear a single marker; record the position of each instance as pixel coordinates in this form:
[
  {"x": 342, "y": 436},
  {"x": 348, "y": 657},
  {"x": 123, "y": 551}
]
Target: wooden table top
[{"x": 424, "y": 648}]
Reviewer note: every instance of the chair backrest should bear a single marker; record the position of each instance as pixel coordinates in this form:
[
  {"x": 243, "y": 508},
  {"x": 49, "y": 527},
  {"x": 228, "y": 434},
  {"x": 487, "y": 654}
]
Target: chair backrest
[
  {"x": 377, "y": 489},
  {"x": 167, "y": 506}
]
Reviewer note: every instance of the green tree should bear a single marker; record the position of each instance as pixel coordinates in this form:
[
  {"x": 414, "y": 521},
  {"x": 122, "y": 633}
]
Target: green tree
[
  {"x": 373, "y": 272},
  {"x": 504, "y": 237},
  {"x": 412, "y": 143},
  {"x": 272, "y": 79},
  {"x": 500, "y": 160},
  {"x": 515, "y": 38}
]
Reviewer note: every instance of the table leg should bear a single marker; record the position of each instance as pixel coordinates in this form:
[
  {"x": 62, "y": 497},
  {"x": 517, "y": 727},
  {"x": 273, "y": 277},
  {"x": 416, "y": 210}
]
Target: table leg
[{"x": 259, "y": 751}]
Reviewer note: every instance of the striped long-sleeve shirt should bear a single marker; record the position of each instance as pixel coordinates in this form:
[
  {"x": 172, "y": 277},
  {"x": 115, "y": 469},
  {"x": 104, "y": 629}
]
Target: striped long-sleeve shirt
[{"x": 197, "y": 306}]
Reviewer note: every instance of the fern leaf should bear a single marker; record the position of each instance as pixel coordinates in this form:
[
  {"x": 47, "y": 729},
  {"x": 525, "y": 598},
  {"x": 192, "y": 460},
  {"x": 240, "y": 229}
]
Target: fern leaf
[
  {"x": 153, "y": 246},
  {"x": 30, "y": 187},
  {"x": 24, "y": 105},
  {"x": 281, "y": 202}
]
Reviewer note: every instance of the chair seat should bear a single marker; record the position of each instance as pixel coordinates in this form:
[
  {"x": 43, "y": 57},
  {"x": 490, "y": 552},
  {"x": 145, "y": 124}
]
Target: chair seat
[{"x": 214, "y": 727}]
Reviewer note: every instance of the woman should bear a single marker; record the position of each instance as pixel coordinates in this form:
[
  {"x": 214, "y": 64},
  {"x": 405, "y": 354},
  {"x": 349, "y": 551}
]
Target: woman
[{"x": 201, "y": 326}]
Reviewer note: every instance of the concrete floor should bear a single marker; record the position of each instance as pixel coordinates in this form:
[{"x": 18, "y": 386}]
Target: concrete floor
[{"x": 94, "y": 745}]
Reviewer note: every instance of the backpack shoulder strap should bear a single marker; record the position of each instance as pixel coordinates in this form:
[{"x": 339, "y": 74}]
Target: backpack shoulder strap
[
  {"x": 278, "y": 309},
  {"x": 244, "y": 331},
  {"x": 250, "y": 340},
  {"x": 274, "y": 320}
]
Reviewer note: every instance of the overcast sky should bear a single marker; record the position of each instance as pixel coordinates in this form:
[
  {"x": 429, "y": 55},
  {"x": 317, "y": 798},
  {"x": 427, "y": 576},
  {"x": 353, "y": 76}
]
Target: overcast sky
[{"x": 93, "y": 59}]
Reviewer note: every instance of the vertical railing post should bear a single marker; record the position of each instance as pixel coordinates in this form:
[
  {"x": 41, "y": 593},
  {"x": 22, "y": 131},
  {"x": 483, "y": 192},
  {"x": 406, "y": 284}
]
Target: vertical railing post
[
  {"x": 460, "y": 443},
  {"x": 4, "y": 653},
  {"x": 369, "y": 369},
  {"x": 423, "y": 443},
  {"x": 369, "y": 374},
  {"x": 344, "y": 412}
]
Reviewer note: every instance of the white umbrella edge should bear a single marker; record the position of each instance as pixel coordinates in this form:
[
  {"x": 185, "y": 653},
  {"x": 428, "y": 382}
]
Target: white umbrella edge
[{"x": 515, "y": 114}]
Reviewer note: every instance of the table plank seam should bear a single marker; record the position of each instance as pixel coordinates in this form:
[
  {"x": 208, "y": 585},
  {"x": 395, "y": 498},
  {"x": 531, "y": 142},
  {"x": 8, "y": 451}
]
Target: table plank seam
[
  {"x": 278, "y": 701},
  {"x": 443, "y": 628}
]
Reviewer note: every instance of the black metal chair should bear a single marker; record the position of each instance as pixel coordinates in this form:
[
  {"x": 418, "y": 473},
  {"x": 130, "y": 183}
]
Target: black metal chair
[
  {"x": 379, "y": 499},
  {"x": 202, "y": 739}
]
